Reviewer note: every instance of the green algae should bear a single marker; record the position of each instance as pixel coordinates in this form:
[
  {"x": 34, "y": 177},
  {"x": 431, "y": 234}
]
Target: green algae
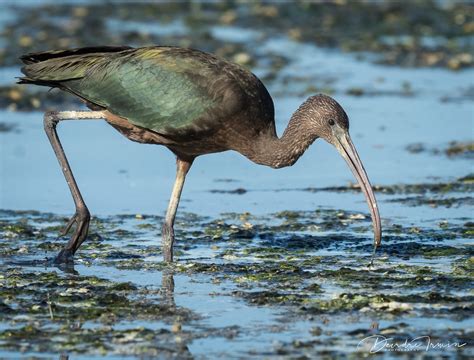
[
  {"x": 99, "y": 341},
  {"x": 440, "y": 42},
  {"x": 454, "y": 149},
  {"x": 460, "y": 185},
  {"x": 275, "y": 260},
  {"x": 51, "y": 302},
  {"x": 465, "y": 149},
  {"x": 439, "y": 194},
  {"x": 399, "y": 34}
]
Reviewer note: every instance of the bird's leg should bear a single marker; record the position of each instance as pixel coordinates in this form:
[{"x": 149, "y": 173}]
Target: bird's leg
[
  {"x": 167, "y": 231},
  {"x": 82, "y": 216}
]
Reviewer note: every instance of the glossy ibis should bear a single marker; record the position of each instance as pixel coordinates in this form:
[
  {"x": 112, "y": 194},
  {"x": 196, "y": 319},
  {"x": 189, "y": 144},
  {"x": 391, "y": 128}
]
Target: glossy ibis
[{"x": 192, "y": 102}]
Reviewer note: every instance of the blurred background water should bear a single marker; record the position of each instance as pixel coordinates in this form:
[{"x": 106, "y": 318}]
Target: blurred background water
[{"x": 390, "y": 107}]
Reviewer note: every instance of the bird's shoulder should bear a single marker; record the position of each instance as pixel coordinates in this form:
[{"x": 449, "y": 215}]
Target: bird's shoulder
[{"x": 236, "y": 93}]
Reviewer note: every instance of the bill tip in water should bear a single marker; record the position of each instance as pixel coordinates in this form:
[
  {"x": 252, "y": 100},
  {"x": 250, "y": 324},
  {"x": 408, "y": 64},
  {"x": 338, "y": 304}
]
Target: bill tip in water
[{"x": 377, "y": 241}]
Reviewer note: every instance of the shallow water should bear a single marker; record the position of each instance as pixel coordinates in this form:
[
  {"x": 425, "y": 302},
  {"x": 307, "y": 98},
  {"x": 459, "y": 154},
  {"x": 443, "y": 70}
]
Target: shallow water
[
  {"x": 294, "y": 282},
  {"x": 222, "y": 302}
]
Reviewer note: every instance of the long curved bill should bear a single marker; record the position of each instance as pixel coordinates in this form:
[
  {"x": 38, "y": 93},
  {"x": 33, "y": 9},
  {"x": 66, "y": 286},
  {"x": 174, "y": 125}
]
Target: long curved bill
[{"x": 346, "y": 148}]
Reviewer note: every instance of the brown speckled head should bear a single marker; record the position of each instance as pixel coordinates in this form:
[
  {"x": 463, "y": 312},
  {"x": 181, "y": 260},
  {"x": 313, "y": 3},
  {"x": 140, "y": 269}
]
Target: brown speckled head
[{"x": 321, "y": 114}]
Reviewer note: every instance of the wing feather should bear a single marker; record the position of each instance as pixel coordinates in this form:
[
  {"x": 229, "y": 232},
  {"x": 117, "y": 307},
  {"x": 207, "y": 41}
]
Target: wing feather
[
  {"x": 148, "y": 91},
  {"x": 170, "y": 90}
]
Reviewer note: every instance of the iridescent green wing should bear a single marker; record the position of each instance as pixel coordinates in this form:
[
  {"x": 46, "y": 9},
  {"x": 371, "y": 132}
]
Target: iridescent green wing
[{"x": 155, "y": 88}]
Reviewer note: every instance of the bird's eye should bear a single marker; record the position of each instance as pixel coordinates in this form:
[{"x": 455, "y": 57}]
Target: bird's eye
[{"x": 331, "y": 122}]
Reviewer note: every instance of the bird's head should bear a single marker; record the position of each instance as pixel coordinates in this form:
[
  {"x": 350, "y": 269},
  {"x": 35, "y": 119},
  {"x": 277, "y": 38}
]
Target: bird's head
[
  {"x": 325, "y": 118},
  {"x": 323, "y": 115}
]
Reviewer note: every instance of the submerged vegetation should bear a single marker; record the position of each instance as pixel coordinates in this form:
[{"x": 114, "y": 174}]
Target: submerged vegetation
[
  {"x": 310, "y": 265},
  {"x": 454, "y": 149},
  {"x": 420, "y": 33}
]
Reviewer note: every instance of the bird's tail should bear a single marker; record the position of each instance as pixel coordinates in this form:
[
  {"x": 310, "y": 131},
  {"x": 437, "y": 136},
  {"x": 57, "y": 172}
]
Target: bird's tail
[{"x": 51, "y": 67}]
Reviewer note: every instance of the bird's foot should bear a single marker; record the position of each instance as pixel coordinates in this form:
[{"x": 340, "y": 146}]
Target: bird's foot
[
  {"x": 82, "y": 219},
  {"x": 64, "y": 261},
  {"x": 65, "y": 256},
  {"x": 167, "y": 240}
]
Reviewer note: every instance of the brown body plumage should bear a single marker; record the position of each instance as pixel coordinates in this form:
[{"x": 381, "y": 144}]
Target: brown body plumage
[{"x": 192, "y": 102}]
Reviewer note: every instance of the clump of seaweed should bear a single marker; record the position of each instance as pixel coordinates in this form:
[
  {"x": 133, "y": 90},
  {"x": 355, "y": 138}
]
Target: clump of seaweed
[{"x": 311, "y": 266}]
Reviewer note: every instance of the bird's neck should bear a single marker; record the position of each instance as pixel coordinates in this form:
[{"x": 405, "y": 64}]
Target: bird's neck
[{"x": 285, "y": 151}]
